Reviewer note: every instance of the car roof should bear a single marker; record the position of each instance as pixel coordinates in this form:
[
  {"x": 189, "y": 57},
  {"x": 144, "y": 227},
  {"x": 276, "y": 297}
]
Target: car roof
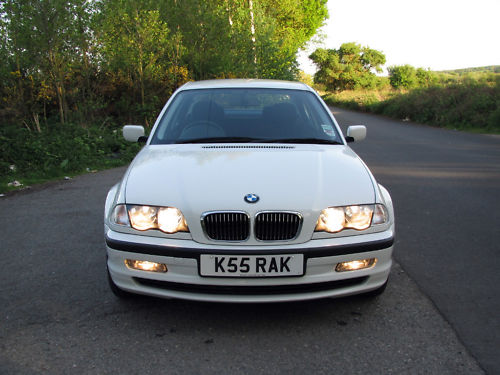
[{"x": 245, "y": 83}]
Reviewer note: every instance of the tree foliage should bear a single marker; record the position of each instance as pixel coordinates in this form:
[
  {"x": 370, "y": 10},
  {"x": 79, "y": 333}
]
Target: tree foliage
[
  {"x": 119, "y": 60},
  {"x": 42, "y": 39},
  {"x": 141, "y": 55},
  {"x": 407, "y": 77},
  {"x": 347, "y": 68},
  {"x": 402, "y": 76}
]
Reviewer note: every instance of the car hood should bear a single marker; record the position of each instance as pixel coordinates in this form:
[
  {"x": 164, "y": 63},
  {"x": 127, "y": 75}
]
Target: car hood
[{"x": 200, "y": 178}]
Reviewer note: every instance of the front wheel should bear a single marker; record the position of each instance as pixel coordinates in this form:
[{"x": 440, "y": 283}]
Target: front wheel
[
  {"x": 120, "y": 293},
  {"x": 377, "y": 292}
]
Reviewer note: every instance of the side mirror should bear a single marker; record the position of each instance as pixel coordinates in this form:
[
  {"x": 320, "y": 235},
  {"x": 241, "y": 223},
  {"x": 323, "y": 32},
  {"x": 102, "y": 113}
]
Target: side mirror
[
  {"x": 356, "y": 133},
  {"x": 133, "y": 133}
]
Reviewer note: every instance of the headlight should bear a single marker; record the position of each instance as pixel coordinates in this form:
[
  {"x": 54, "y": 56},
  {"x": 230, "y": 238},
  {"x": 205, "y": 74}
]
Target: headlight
[
  {"x": 171, "y": 220},
  {"x": 359, "y": 217},
  {"x": 142, "y": 217},
  {"x": 167, "y": 219},
  {"x": 119, "y": 215},
  {"x": 380, "y": 215}
]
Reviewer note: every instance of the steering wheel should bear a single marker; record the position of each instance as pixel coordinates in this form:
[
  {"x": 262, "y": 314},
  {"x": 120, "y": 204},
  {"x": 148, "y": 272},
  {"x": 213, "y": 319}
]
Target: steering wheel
[{"x": 199, "y": 124}]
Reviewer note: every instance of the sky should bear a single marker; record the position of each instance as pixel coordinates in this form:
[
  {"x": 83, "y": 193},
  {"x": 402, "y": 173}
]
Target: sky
[{"x": 435, "y": 34}]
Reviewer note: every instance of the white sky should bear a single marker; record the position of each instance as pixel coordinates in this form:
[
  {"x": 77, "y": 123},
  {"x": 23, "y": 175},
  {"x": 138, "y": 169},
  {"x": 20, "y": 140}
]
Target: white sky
[{"x": 436, "y": 34}]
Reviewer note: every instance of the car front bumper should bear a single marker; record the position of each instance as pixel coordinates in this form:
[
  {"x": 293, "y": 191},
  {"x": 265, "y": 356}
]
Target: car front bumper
[{"x": 184, "y": 281}]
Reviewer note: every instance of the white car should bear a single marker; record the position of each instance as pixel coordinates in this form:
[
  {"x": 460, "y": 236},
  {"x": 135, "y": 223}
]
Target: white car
[{"x": 246, "y": 191}]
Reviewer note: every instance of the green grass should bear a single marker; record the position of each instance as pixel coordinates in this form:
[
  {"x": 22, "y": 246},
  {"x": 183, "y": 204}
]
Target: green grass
[
  {"x": 28, "y": 179},
  {"x": 59, "y": 151}
]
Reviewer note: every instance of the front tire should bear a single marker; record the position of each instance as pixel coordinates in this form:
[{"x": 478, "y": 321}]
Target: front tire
[
  {"x": 377, "y": 292},
  {"x": 120, "y": 293}
]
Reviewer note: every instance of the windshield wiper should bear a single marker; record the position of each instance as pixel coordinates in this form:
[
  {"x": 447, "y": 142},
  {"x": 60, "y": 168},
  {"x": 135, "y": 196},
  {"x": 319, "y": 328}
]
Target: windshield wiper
[
  {"x": 303, "y": 141},
  {"x": 219, "y": 140},
  {"x": 257, "y": 140}
]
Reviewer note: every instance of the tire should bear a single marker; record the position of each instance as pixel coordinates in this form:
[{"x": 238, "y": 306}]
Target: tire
[
  {"x": 120, "y": 293},
  {"x": 377, "y": 292}
]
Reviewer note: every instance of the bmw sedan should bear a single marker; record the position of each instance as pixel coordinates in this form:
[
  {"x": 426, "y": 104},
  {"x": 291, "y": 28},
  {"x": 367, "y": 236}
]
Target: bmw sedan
[{"x": 246, "y": 191}]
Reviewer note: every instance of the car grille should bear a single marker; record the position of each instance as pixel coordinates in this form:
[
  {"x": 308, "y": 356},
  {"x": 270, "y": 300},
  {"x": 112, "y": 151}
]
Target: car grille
[
  {"x": 235, "y": 226},
  {"x": 277, "y": 226},
  {"x": 227, "y": 226}
]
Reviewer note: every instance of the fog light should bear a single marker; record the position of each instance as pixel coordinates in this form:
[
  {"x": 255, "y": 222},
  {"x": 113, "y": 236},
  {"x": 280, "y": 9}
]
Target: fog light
[
  {"x": 144, "y": 265},
  {"x": 354, "y": 265}
]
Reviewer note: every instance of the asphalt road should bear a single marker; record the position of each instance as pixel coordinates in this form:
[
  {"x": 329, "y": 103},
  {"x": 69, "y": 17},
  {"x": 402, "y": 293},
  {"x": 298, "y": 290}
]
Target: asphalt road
[
  {"x": 446, "y": 189},
  {"x": 57, "y": 315}
]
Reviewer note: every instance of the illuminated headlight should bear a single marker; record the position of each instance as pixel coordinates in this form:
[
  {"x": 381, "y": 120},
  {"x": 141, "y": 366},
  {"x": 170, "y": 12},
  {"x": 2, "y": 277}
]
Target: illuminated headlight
[
  {"x": 170, "y": 220},
  {"x": 167, "y": 219},
  {"x": 143, "y": 217},
  {"x": 359, "y": 217}
]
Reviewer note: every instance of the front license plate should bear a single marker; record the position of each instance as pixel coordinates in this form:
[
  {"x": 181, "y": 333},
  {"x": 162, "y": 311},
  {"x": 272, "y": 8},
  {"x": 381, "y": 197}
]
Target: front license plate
[{"x": 252, "y": 265}]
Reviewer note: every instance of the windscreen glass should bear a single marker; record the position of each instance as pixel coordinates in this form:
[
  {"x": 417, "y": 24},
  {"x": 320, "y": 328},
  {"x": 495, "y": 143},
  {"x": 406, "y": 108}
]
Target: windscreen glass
[{"x": 245, "y": 115}]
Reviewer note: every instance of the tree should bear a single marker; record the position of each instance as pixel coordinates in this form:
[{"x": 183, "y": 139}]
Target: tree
[
  {"x": 407, "y": 77},
  {"x": 232, "y": 38},
  {"x": 80, "y": 60},
  {"x": 44, "y": 39},
  {"x": 140, "y": 51},
  {"x": 347, "y": 68},
  {"x": 296, "y": 21},
  {"x": 403, "y": 76},
  {"x": 426, "y": 78}
]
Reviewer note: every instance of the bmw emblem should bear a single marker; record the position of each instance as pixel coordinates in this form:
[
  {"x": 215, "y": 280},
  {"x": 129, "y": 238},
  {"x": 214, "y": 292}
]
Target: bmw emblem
[{"x": 251, "y": 198}]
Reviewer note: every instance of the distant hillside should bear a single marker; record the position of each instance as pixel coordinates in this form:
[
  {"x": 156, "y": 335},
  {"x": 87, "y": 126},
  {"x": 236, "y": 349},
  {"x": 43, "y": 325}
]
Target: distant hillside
[{"x": 481, "y": 69}]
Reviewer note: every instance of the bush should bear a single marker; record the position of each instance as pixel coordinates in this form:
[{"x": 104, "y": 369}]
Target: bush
[
  {"x": 403, "y": 76},
  {"x": 473, "y": 106},
  {"x": 470, "y": 107},
  {"x": 363, "y": 100},
  {"x": 61, "y": 149}
]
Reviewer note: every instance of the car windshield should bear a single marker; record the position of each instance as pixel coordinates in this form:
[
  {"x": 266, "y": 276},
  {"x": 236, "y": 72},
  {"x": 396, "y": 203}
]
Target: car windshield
[{"x": 245, "y": 115}]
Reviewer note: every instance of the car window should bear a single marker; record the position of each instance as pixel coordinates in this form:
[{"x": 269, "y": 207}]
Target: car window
[{"x": 244, "y": 115}]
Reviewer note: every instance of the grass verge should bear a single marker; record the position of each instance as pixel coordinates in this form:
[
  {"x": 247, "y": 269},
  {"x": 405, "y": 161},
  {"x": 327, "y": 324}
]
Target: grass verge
[{"x": 57, "y": 152}]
